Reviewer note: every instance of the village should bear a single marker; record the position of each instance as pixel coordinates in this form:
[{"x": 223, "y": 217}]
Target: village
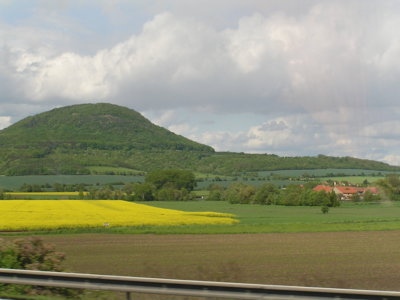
[{"x": 350, "y": 193}]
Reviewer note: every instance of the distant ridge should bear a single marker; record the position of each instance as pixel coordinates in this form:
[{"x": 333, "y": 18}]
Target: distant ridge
[{"x": 103, "y": 138}]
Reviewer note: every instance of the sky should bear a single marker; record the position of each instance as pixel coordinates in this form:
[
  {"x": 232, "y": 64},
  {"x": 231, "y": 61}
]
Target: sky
[{"x": 291, "y": 78}]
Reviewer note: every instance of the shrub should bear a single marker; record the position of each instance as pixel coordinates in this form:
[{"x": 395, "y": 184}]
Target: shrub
[{"x": 31, "y": 254}]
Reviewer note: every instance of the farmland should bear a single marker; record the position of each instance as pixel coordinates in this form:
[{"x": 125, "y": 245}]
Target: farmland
[
  {"x": 49, "y": 214},
  {"x": 326, "y": 172},
  {"x": 353, "y": 246},
  {"x": 39, "y": 194},
  {"x": 279, "y": 178},
  {"x": 270, "y": 245},
  {"x": 366, "y": 260},
  {"x": 252, "y": 218},
  {"x": 15, "y": 182},
  {"x": 355, "y": 179},
  {"x": 285, "y": 219}
]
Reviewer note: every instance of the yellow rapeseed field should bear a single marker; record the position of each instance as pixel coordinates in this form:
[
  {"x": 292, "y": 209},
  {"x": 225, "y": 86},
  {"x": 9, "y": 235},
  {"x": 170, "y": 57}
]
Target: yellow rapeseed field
[
  {"x": 43, "y": 193},
  {"x": 53, "y": 214}
]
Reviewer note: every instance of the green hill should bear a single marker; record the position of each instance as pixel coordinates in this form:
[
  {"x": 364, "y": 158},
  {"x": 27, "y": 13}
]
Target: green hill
[
  {"x": 81, "y": 138},
  {"x": 97, "y": 126},
  {"x": 69, "y": 139}
]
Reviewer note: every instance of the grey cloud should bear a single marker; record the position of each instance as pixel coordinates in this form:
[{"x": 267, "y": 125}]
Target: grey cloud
[
  {"x": 321, "y": 72},
  {"x": 274, "y": 126},
  {"x": 278, "y": 63}
]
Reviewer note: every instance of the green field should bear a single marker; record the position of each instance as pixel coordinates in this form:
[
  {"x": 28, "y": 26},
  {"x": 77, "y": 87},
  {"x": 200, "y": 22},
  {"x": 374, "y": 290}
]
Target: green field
[
  {"x": 354, "y": 179},
  {"x": 113, "y": 171},
  {"x": 268, "y": 219},
  {"x": 263, "y": 219},
  {"x": 353, "y": 246},
  {"x": 15, "y": 182},
  {"x": 325, "y": 172},
  {"x": 354, "y": 176},
  {"x": 255, "y": 182},
  {"x": 288, "y": 177}
]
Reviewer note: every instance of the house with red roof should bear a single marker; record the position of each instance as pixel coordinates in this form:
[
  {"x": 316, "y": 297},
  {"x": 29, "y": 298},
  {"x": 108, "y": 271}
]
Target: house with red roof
[
  {"x": 325, "y": 188},
  {"x": 346, "y": 192}
]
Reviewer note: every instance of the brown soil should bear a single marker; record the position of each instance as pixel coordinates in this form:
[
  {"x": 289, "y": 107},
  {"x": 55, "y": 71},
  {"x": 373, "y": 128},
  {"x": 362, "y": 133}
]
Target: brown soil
[{"x": 364, "y": 260}]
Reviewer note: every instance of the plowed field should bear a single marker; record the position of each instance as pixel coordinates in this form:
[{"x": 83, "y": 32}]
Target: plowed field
[{"x": 365, "y": 260}]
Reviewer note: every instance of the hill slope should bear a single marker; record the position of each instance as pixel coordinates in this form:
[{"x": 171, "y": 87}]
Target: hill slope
[
  {"x": 97, "y": 126},
  {"x": 69, "y": 139},
  {"x": 81, "y": 138}
]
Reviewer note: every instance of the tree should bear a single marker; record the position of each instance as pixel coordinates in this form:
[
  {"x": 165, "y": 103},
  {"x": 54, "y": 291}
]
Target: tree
[
  {"x": 58, "y": 187},
  {"x": 393, "y": 180},
  {"x": 292, "y": 195},
  {"x": 247, "y": 193},
  {"x": 390, "y": 185},
  {"x": 325, "y": 209},
  {"x": 355, "y": 197},
  {"x": 143, "y": 192},
  {"x": 171, "y": 194},
  {"x": 26, "y": 188},
  {"x": 365, "y": 182},
  {"x": 81, "y": 195},
  {"x": 266, "y": 194},
  {"x": 318, "y": 198},
  {"x": 176, "y": 179},
  {"x": 333, "y": 199},
  {"x": 239, "y": 193},
  {"x": 370, "y": 197},
  {"x": 216, "y": 192}
]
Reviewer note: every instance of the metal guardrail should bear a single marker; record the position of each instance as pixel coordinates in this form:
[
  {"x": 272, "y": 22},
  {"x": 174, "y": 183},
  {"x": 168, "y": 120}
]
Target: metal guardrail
[{"x": 194, "y": 288}]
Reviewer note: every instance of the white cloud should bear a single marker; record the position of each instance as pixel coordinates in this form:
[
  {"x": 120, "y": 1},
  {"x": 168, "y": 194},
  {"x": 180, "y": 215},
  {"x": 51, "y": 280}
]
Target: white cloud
[
  {"x": 182, "y": 129},
  {"x": 383, "y": 130},
  {"x": 321, "y": 60},
  {"x": 219, "y": 140},
  {"x": 166, "y": 118},
  {"x": 290, "y": 135},
  {"x": 324, "y": 74},
  {"x": 392, "y": 159},
  {"x": 5, "y": 121}
]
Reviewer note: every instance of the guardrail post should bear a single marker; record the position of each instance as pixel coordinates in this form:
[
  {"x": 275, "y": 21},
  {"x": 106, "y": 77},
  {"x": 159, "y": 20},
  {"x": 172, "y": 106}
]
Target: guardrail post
[{"x": 128, "y": 296}]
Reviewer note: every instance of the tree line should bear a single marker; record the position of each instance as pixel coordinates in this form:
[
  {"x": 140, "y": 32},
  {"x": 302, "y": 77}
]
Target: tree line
[
  {"x": 269, "y": 194},
  {"x": 167, "y": 185},
  {"x": 178, "y": 185}
]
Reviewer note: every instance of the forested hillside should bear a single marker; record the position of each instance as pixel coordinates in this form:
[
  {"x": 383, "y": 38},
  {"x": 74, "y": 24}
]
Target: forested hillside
[
  {"x": 92, "y": 126},
  {"x": 76, "y": 139}
]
